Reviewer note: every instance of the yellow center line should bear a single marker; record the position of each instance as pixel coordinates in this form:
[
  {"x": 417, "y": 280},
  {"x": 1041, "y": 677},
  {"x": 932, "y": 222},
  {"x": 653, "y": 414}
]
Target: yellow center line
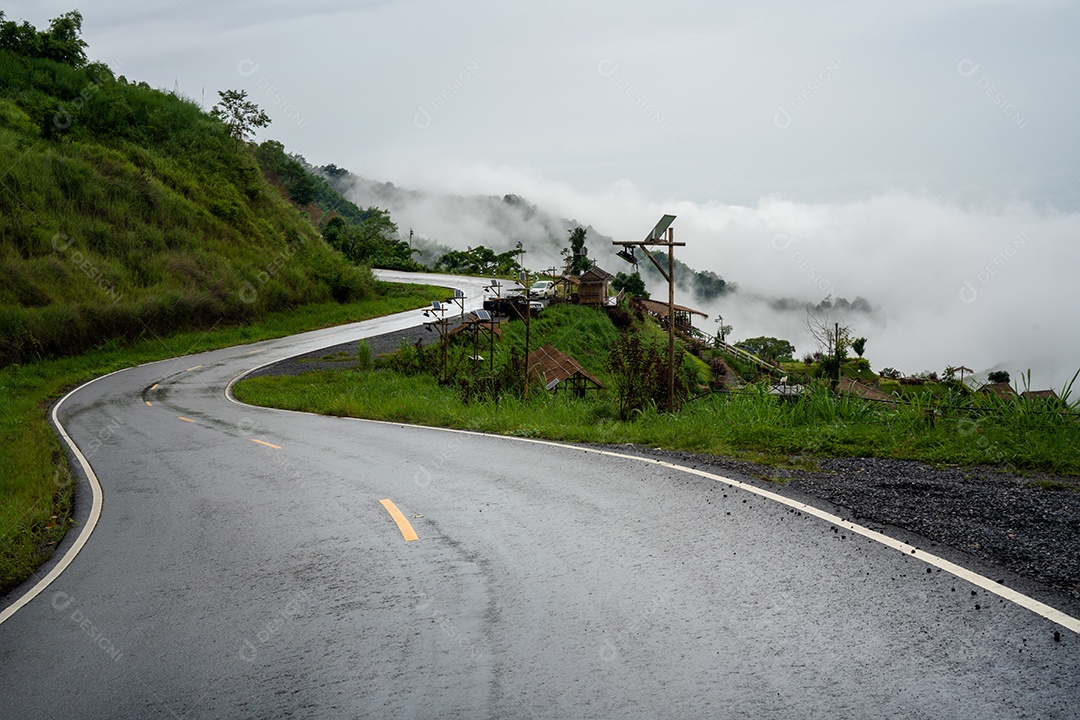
[
  {"x": 154, "y": 386},
  {"x": 269, "y": 445},
  {"x": 148, "y": 403},
  {"x": 193, "y": 368},
  {"x": 403, "y": 525},
  {"x": 185, "y": 419}
]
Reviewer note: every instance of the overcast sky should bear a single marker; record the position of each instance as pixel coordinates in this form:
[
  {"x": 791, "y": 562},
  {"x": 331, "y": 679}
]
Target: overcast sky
[{"x": 922, "y": 154}]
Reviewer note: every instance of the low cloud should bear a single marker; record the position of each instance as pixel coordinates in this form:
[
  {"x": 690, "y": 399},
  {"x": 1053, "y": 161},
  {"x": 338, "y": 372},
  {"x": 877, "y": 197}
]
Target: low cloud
[{"x": 947, "y": 284}]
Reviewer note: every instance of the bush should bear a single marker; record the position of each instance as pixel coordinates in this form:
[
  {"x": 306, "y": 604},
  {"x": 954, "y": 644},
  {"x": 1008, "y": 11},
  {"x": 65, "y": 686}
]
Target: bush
[
  {"x": 861, "y": 365},
  {"x": 639, "y": 370},
  {"x": 621, "y": 319},
  {"x": 364, "y": 360}
]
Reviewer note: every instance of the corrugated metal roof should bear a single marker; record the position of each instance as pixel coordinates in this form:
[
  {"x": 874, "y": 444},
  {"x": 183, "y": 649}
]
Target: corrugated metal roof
[
  {"x": 554, "y": 366},
  {"x": 596, "y": 274},
  {"x": 660, "y": 309}
]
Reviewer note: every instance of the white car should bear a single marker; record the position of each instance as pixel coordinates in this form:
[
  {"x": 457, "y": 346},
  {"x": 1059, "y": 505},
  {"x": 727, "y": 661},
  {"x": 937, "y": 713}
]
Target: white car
[{"x": 544, "y": 289}]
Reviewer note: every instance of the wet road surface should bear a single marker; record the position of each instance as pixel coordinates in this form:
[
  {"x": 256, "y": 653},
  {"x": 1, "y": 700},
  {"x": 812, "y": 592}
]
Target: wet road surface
[{"x": 245, "y": 565}]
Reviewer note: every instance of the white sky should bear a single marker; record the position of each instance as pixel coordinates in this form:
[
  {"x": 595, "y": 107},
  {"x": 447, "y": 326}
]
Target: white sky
[{"x": 900, "y": 148}]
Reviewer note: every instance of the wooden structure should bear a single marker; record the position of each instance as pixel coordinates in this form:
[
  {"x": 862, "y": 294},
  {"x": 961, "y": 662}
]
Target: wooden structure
[
  {"x": 593, "y": 286},
  {"x": 661, "y": 235},
  {"x": 1039, "y": 395},
  {"x": 566, "y": 287},
  {"x": 684, "y": 316},
  {"x": 1002, "y": 389},
  {"x": 556, "y": 370},
  {"x": 471, "y": 325}
]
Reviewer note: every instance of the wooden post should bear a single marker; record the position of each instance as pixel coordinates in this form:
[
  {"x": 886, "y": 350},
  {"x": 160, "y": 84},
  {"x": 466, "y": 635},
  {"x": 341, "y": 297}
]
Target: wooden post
[{"x": 671, "y": 320}]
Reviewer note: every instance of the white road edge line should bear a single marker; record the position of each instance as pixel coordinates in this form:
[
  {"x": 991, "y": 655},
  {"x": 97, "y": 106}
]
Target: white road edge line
[
  {"x": 88, "y": 526},
  {"x": 95, "y": 486},
  {"x": 1007, "y": 593}
]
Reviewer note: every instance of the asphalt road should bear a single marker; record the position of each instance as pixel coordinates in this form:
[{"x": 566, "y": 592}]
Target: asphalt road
[{"x": 243, "y": 565}]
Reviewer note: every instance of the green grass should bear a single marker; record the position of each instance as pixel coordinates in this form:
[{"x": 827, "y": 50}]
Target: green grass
[
  {"x": 749, "y": 425},
  {"x": 35, "y": 483},
  {"x": 138, "y": 216}
]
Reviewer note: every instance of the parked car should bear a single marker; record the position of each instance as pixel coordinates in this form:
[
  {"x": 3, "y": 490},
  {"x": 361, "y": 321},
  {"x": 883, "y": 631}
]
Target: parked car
[
  {"x": 512, "y": 306},
  {"x": 542, "y": 289}
]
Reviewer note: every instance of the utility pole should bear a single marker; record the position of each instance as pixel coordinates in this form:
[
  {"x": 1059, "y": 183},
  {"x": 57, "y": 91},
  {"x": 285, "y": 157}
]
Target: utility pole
[
  {"x": 836, "y": 350},
  {"x": 524, "y": 280},
  {"x": 657, "y": 238}
]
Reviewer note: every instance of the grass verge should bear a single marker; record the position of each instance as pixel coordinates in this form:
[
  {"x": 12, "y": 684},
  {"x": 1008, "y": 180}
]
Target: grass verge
[
  {"x": 36, "y": 486},
  {"x": 749, "y": 425}
]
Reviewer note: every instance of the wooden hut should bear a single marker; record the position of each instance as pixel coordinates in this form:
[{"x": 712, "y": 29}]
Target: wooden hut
[
  {"x": 593, "y": 286},
  {"x": 683, "y": 315},
  {"x": 1001, "y": 389},
  {"x": 557, "y": 370},
  {"x": 1047, "y": 395}
]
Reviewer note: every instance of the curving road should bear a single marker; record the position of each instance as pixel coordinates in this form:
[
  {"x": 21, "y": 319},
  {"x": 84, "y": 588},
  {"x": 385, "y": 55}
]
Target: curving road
[{"x": 243, "y": 565}]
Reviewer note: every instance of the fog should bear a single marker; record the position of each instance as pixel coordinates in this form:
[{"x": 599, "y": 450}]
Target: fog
[
  {"x": 989, "y": 288},
  {"x": 922, "y": 155}
]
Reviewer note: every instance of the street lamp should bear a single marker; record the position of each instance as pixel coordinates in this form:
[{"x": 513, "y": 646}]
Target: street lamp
[
  {"x": 662, "y": 235},
  {"x": 438, "y": 311},
  {"x": 495, "y": 288}
]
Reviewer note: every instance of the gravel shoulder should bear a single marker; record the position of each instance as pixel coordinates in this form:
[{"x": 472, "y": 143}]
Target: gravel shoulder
[
  {"x": 1021, "y": 530},
  {"x": 1028, "y": 525}
]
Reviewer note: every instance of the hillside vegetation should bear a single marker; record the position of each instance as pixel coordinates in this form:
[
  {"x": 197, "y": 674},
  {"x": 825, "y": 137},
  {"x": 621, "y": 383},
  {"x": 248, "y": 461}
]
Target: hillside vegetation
[
  {"x": 725, "y": 403},
  {"x": 127, "y": 212},
  {"x": 135, "y": 227}
]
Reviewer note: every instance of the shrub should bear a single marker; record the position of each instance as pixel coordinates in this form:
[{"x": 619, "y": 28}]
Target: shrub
[
  {"x": 364, "y": 360},
  {"x": 861, "y": 365},
  {"x": 640, "y": 374}
]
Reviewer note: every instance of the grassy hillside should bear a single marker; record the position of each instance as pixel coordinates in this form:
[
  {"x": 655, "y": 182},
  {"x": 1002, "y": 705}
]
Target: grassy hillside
[
  {"x": 126, "y": 213},
  {"x": 133, "y": 227},
  {"x": 932, "y": 424}
]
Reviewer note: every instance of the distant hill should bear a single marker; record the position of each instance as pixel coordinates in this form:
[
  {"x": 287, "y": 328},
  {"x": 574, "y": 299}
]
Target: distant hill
[
  {"x": 128, "y": 212},
  {"x": 445, "y": 222}
]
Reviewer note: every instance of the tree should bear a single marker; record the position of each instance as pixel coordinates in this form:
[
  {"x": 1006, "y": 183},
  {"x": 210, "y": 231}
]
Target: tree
[
  {"x": 858, "y": 345},
  {"x": 239, "y": 114},
  {"x": 579, "y": 254},
  {"x": 833, "y": 339},
  {"x": 302, "y": 190},
  {"x": 998, "y": 376},
  {"x": 722, "y": 331},
  {"x": 62, "y": 42},
  {"x": 479, "y": 261},
  {"x": 708, "y": 285},
  {"x": 631, "y": 284},
  {"x": 769, "y": 348}
]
